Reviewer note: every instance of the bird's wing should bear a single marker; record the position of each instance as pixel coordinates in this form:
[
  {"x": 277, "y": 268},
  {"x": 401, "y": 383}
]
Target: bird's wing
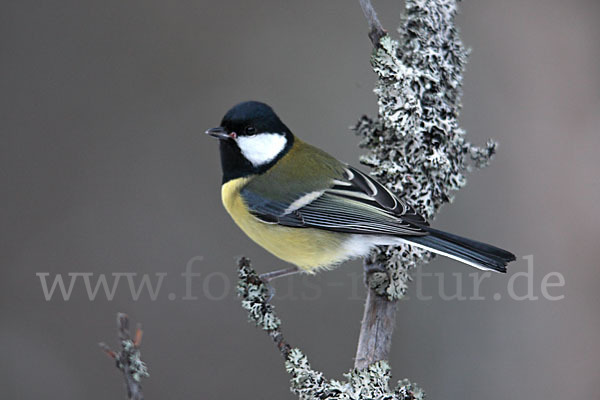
[
  {"x": 356, "y": 184},
  {"x": 350, "y": 202}
]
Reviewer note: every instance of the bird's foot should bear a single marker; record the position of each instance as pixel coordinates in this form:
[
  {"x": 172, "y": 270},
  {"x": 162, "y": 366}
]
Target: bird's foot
[{"x": 269, "y": 276}]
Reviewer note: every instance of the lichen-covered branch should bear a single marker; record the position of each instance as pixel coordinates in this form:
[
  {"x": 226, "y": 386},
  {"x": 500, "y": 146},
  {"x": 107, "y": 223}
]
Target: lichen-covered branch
[
  {"x": 255, "y": 296},
  {"x": 368, "y": 383},
  {"x": 128, "y": 358},
  {"x": 415, "y": 145}
]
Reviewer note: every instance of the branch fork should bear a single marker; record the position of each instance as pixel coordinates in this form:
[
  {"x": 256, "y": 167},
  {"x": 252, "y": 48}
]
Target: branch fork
[{"x": 128, "y": 358}]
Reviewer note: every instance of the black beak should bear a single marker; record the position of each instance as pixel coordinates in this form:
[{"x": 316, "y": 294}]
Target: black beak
[{"x": 219, "y": 132}]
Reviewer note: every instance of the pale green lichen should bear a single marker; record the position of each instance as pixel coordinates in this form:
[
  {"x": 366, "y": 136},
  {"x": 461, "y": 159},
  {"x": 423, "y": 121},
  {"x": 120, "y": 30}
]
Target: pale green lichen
[
  {"x": 369, "y": 383},
  {"x": 129, "y": 361},
  {"x": 137, "y": 368},
  {"x": 416, "y": 146},
  {"x": 255, "y": 298}
]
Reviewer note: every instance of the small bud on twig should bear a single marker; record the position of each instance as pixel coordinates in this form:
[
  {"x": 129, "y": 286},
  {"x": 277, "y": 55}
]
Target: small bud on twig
[{"x": 128, "y": 358}]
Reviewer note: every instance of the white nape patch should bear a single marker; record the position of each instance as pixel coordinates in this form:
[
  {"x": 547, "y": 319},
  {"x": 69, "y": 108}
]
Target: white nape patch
[
  {"x": 302, "y": 201},
  {"x": 262, "y": 148}
]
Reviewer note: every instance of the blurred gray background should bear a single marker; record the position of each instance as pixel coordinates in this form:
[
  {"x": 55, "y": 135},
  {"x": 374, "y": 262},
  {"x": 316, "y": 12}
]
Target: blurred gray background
[{"x": 105, "y": 168}]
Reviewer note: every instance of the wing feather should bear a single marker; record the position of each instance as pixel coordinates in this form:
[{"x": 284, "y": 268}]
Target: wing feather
[
  {"x": 352, "y": 203},
  {"x": 362, "y": 185}
]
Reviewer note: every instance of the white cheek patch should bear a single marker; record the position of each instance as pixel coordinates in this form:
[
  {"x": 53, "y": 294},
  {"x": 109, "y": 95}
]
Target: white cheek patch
[{"x": 262, "y": 148}]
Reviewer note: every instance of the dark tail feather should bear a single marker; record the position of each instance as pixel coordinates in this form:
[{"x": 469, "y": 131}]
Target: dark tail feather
[{"x": 480, "y": 255}]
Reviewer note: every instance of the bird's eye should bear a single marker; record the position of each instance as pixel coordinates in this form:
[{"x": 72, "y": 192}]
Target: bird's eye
[{"x": 250, "y": 130}]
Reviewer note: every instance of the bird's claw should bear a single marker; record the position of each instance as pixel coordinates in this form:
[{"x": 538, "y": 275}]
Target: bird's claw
[{"x": 270, "y": 288}]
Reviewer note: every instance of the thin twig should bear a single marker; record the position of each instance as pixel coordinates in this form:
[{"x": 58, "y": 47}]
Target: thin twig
[
  {"x": 376, "y": 31},
  {"x": 255, "y": 296},
  {"x": 128, "y": 358}
]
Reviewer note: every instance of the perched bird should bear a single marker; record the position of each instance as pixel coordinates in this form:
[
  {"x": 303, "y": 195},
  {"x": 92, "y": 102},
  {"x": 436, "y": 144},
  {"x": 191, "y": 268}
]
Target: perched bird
[{"x": 313, "y": 211}]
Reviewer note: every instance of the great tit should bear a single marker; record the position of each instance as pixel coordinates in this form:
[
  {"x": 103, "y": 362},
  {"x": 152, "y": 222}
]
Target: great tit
[{"x": 313, "y": 211}]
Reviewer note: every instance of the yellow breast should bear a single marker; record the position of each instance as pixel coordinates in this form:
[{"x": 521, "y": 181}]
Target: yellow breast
[{"x": 308, "y": 248}]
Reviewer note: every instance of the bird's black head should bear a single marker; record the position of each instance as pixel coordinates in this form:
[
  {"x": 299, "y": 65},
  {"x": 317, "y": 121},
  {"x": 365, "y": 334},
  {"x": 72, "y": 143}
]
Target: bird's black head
[
  {"x": 252, "y": 118},
  {"x": 252, "y": 139}
]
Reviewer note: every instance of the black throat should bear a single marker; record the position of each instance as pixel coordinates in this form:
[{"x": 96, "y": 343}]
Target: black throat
[{"x": 235, "y": 165}]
